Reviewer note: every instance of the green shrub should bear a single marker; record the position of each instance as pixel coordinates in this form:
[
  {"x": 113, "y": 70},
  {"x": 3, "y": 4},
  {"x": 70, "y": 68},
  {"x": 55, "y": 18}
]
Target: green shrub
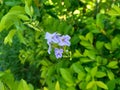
[{"x": 92, "y": 60}]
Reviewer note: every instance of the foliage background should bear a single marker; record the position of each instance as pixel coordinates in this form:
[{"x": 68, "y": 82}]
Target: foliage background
[{"x": 93, "y": 62}]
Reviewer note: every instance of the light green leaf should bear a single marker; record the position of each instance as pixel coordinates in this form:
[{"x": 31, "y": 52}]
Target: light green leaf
[
  {"x": 23, "y": 17},
  {"x": 112, "y": 64},
  {"x": 86, "y": 60},
  {"x": 71, "y": 88},
  {"x": 115, "y": 11},
  {"x": 88, "y": 77},
  {"x": 100, "y": 74},
  {"x": 9, "y": 37},
  {"x": 99, "y": 45},
  {"x": 28, "y": 7},
  {"x": 114, "y": 43},
  {"x": 81, "y": 76},
  {"x": 77, "y": 54},
  {"x": 45, "y": 88},
  {"x": 86, "y": 44},
  {"x": 77, "y": 67},
  {"x": 66, "y": 75},
  {"x": 23, "y": 85},
  {"x": 31, "y": 86},
  {"x": 89, "y": 37},
  {"x": 93, "y": 71},
  {"x": 7, "y": 20},
  {"x": 110, "y": 75},
  {"x": 17, "y": 10},
  {"x": 1, "y": 86},
  {"x": 108, "y": 46},
  {"x": 57, "y": 86},
  {"x": 99, "y": 21},
  {"x": 101, "y": 85},
  {"x": 1, "y": 74},
  {"x": 90, "y": 53},
  {"x": 20, "y": 36},
  {"x": 90, "y": 85}
]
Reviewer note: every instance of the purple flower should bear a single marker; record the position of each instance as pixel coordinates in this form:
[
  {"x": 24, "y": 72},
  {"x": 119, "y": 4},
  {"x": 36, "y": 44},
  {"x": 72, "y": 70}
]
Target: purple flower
[
  {"x": 52, "y": 38},
  {"x": 58, "y": 53},
  {"x": 64, "y": 40}
]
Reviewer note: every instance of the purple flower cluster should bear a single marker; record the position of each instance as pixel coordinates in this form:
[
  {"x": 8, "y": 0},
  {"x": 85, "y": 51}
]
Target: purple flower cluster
[{"x": 61, "y": 41}]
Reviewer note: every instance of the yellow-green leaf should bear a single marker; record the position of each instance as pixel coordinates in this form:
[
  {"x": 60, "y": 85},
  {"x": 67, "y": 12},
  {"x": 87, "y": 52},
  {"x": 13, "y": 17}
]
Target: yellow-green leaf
[
  {"x": 45, "y": 88},
  {"x": 101, "y": 85},
  {"x": 112, "y": 64},
  {"x": 57, "y": 86},
  {"x": 23, "y": 85},
  {"x": 9, "y": 37},
  {"x": 90, "y": 85},
  {"x": 93, "y": 71},
  {"x": 1, "y": 86},
  {"x": 110, "y": 75}
]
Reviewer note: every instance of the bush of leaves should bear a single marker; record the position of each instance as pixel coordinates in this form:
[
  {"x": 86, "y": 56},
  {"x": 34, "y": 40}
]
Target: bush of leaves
[{"x": 87, "y": 60}]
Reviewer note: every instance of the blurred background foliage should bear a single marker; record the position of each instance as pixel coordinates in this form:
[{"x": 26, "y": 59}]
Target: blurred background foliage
[{"x": 94, "y": 27}]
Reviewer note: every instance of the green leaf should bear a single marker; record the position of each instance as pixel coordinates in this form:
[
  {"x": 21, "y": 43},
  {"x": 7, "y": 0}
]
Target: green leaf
[
  {"x": 71, "y": 88},
  {"x": 1, "y": 74},
  {"x": 86, "y": 44},
  {"x": 88, "y": 77},
  {"x": 89, "y": 37},
  {"x": 57, "y": 86},
  {"x": 90, "y": 85},
  {"x": 114, "y": 43},
  {"x": 114, "y": 11},
  {"x": 20, "y": 36},
  {"x": 108, "y": 46},
  {"x": 67, "y": 3},
  {"x": 28, "y": 7},
  {"x": 77, "y": 67},
  {"x": 111, "y": 84},
  {"x": 101, "y": 85},
  {"x": 110, "y": 75},
  {"x": 90, "y": 53},
  {"x": 17, "y": 10},
  {"x": 77, "y": 54},
  {"x": 9, "y": 37},
  {"x": 31, "y": 86},
  {"x": 81, "y": 76},
  {"x": 94, "y": 71},
  {"x": 112, "y": 64},
  {"x": 45, "y": 88},
  {"x": 100, "y": 74},
  {"x": 1, "y": 86},
  {"x": 23, "y": 85},
  {"x": 86, "y": 60},
  {"x": 23, "y": 17},
  {"x": 99, "y": 21},
  {"x": 66, "y": 75},
  {"x": 99, "y": 45},
  {"x": 7, "y": 20}
]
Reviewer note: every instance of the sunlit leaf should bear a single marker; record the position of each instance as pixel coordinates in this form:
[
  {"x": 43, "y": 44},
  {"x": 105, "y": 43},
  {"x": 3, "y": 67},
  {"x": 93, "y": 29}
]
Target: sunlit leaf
[
  {"x": 66, "y": 75},
  {"x": 101, "y": 85},
  {"x": 9, "y": 37},
  {"x": 90, "y": 85},
  {"x": 110, "y": 75},
  {"x": 112, "y": 64},
  {"x": 23, "y": 85},
  {"x": 57, "y": 86},
  {"x": 1, "y": 86}
]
